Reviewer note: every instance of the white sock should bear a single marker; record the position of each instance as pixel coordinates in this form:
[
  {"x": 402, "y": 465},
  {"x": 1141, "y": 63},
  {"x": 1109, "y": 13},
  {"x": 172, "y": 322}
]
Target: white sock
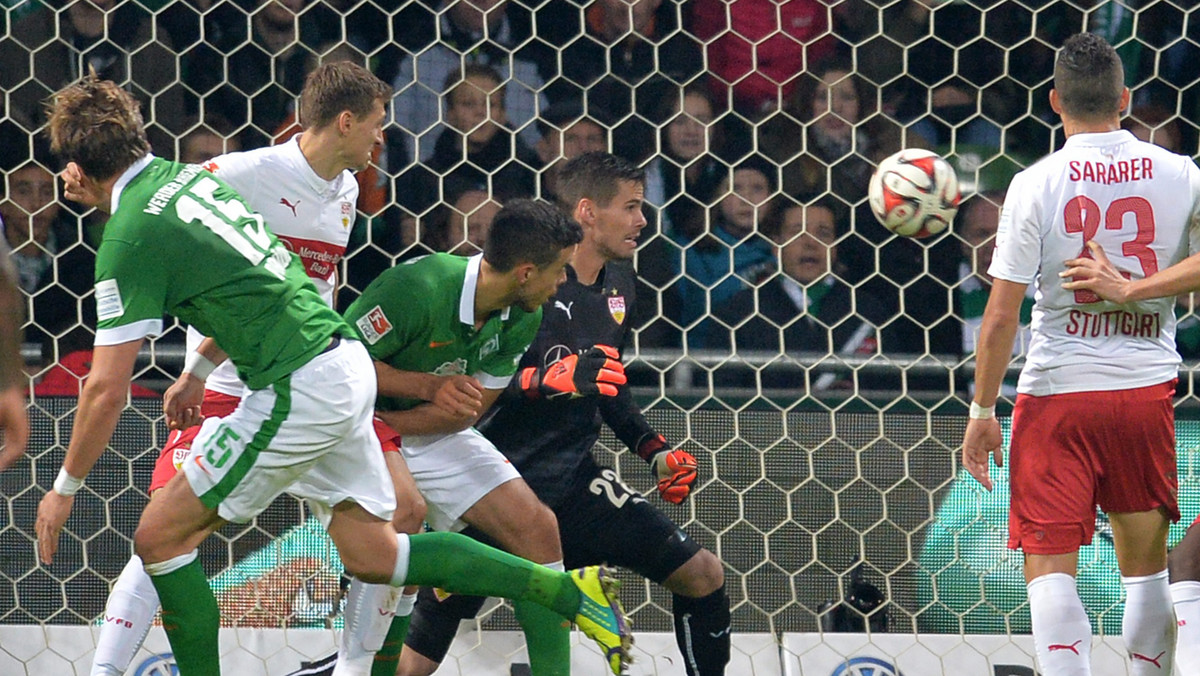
[
  {"x": 556, "y": 565},
  {"x": 400, "y": 571},
  {"x": 128, "y": 616},
  {"x": 1062, "y": 633},
  {"x": 1149, "y": 625},
  {"x": 406, "y": 605},
  {"x": 367, "y": 617},
  {"x": 1186, "y": 598}
]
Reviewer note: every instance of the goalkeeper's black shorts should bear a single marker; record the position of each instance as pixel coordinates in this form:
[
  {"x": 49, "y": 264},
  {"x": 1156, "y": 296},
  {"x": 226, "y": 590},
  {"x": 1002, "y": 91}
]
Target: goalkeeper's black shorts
[{"x": 601, "y": 522}]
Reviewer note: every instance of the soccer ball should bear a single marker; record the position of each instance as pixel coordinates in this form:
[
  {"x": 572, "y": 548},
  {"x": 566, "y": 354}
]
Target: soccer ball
[{"x": 914, "y": 193}]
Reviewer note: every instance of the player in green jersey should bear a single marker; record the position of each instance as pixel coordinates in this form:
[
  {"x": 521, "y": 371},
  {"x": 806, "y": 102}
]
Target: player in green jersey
[
  {"x": 476, "y": 317},
  {"x": 183, "y": 243}
]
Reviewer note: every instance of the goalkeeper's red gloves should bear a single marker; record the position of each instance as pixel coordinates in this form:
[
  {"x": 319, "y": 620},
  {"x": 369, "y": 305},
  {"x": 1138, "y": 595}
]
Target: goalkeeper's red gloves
[
  {"x": 595, "y": 370},
  {"x": 676, "y": 469}
]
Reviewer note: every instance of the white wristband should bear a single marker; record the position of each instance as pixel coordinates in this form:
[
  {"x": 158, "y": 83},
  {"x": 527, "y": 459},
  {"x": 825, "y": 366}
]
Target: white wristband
[
  {"x": 198, "y": 365},
  {"x": 65, "y": 484},
  {"x": 980, "y": 413}
]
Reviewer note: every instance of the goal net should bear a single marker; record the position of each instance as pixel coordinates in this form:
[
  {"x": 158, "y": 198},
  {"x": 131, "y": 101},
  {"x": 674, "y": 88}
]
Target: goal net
[{"x": 817, "y": 366}]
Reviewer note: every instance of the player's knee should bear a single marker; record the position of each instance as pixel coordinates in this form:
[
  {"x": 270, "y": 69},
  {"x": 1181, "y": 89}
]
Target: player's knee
[
  {"x": 702, "y": 575},
  {"x": 409, "y": 516},
  {"x": 413, "y": 663}
]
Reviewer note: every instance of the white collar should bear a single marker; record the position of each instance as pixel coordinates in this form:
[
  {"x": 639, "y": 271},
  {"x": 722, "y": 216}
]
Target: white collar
[
  {"x": 127, "y": 176},
  {"x": 466, "y": 302}
]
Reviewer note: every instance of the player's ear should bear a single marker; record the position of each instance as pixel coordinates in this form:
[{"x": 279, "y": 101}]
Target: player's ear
[
  {"x": 1125, "y": 96},
  {"x": 585, "y": 211},
  {"x": 1054, "y": 104},
  {"x": 345, "y": 120},
  {"x": 524, "y": 272}
]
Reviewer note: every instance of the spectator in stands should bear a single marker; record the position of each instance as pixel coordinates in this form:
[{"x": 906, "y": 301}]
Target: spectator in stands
[
  {"x": 757, "y": 48},
  {"x": 214, "y": 136},
  {"x": 256, "y": 77},
  {"x": 1152, "y": 123},
  {"x": 567, "y": 132},
  {"x": 977, "y": 222},
  {"x": 625, "y": 56},
  {"x": 806, "y": 306},
  {"x": 477, "y": 146},
  {"x": 442, "y": 37},
  {"x": 461, "y": 224},
  {"x": 830, "y": 135},
  {"x": 50, "y": 47},
  {"x": 55, "y": 268},
  {"x": 732, "y": 254},
  {"x": 687, "y": 170}
]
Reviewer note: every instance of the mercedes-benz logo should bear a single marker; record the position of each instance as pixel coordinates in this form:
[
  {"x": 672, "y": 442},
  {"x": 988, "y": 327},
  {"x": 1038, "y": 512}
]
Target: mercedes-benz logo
[
  {"x": 866, "y": 666},
  {"x": 555, "y": 354}
]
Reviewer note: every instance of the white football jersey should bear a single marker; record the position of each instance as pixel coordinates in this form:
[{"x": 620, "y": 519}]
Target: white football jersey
[
  {"x": 1141, "y": 203},
  {"x": 311, "y": 216}
]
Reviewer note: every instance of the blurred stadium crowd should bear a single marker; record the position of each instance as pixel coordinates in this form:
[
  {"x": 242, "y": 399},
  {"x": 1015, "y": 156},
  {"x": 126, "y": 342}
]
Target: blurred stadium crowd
[{"x": 758, "y": 123}]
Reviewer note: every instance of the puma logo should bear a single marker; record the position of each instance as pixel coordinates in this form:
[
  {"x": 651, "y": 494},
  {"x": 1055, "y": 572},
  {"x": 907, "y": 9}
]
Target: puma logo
[
  {"x": 284, "y": 201},
  {"x": 565, "y": 308},
  {"x": 1059, "y": 646},
  {"x": 1154, "y": 661}
]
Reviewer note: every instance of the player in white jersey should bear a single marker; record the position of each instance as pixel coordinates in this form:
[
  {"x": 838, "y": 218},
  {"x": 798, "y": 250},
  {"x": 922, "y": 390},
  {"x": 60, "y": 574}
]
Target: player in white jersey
[
  {"x": 1093, "y": 422},
  {"x": 306, "y": 191}
]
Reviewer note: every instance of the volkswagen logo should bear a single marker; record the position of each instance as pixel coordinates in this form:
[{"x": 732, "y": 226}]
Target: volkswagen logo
[
  {"x": 866, "y": 666},
  {"x": 162, "y": 664}
]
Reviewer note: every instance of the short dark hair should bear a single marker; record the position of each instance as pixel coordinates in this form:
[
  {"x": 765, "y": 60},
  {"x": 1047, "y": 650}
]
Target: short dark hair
[
  {"x": 596, "y": 175},
  {"x": 97, "y": 125},
  {"x": 529, "y": 231},
  {"x": 338, "y": 86},
  {"x": 1089, "y": 77},
  {"x": 459, "y": 77}
]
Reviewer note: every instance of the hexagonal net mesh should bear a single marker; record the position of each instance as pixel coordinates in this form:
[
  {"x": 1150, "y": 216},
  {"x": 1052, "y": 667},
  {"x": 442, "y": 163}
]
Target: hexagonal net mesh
[{"x": 816, "y": 365}]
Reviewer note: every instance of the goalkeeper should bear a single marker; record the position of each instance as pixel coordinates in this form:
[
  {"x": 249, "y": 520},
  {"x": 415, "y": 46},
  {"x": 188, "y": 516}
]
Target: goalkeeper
[{"x": 547, "y": 423}]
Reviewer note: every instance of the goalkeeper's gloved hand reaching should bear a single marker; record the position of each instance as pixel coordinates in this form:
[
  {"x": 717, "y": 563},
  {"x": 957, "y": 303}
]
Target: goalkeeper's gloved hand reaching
[
  {"x": 676, "y": 469},
  {"x": 595, "y": 370}
]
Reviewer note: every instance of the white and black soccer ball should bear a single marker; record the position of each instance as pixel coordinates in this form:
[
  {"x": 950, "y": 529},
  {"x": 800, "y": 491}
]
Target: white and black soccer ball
[{"x": 914, "y": 193}]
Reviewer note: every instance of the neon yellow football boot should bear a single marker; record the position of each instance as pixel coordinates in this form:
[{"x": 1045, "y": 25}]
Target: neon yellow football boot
[{"x": 601, "y": 617}]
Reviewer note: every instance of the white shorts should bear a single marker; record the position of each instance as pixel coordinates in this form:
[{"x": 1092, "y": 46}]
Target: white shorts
[
  {"x": 453, "y": 472},
  {"x": 309, "y": 434}
]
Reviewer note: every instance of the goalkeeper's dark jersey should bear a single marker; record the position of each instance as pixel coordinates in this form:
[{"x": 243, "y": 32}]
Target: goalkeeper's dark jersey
[{"x": 549, "y": 440}]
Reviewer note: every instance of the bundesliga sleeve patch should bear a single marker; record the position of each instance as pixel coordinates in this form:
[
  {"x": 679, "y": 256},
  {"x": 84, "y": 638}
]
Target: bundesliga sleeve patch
[
  {"x": 374, "y": 325},
  {"x": 108, "y": 300}
]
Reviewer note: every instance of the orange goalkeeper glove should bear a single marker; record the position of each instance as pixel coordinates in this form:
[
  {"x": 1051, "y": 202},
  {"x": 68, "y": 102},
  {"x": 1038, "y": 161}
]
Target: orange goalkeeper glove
[
  {"x": 676, "y": 469},
  {"x": 595, "y": 370}
]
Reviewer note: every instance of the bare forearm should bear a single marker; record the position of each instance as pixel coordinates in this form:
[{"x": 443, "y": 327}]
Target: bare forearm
[
  {"x": 100, "y": 406},
  {"x": 405, "y": 384},
  {"x": 12, "y": 316},
  {"x": 424, "y": 419},
  {"x": 1183, "y": 277},
  {"x": 993, "y": 354}
]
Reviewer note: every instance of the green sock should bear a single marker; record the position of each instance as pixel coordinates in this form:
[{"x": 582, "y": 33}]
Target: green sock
[
  {"x": 387, "y": 660},
  {"x": 191, "y": 619},
  {"x": 461, "y": 565},
  {"x": 547, "y": 639}
]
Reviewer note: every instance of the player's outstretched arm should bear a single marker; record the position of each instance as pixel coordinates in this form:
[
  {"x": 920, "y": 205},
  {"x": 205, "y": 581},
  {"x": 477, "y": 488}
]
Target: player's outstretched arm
[
  {"x": 1100, "y": 276},
  {"x": 100, "y": 404}
]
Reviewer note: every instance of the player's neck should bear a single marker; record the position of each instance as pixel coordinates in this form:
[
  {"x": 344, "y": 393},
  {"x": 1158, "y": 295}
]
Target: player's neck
[
  {"x": 322, "y": 154},
  {"x": 493, "y": 292},
  {"x": 1072, "y": 127},
  {"x": 587, "y": 263}
]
